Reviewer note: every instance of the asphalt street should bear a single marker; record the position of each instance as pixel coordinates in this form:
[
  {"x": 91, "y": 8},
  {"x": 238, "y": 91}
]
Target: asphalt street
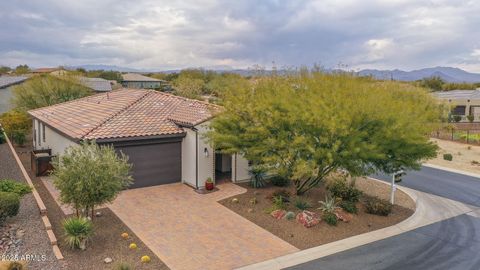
[{"x": 452, "y": 244}]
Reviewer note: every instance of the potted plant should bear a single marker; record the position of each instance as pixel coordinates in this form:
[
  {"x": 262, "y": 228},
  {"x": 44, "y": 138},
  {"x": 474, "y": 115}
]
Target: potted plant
[{"x": 209, "y": 184}]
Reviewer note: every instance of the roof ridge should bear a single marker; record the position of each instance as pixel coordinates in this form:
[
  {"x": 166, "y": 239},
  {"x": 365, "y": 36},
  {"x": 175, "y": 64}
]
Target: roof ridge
[
  {"x": 117, "y": 113},
  {"x": 188, "y": 99}
]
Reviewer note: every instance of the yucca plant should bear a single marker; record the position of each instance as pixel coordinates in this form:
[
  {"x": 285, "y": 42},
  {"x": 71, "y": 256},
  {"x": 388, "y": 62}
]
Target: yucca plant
[
  {"x": 329, "y": 205},
  {"x": 77, "y": 232},
  {"x": 257, "y": 179}
]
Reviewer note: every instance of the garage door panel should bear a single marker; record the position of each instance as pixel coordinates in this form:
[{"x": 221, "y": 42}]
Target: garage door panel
[{"x": 154, "y": 164}]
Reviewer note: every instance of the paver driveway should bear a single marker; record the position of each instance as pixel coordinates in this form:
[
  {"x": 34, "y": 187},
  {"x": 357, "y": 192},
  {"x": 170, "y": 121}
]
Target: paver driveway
[{"x": 187, "y": 230}]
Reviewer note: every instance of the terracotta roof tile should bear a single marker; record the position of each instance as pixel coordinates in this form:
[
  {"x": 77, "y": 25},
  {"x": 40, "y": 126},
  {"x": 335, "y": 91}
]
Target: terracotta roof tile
[{"x": 125, "y": 113}]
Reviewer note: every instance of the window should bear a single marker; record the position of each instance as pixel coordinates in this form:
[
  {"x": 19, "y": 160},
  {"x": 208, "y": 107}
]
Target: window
[
  {"x": 43, "y": 131},
  {"x": 459, "y": 110},
  {"x": 39, "y": 133}
]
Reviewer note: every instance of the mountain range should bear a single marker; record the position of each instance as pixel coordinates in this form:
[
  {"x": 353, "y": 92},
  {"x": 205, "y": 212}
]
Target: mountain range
[{"x": 448, "y": 74}]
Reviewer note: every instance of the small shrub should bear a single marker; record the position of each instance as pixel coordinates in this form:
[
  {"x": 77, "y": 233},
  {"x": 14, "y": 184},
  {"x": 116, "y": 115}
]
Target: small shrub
[
  {"x": 448, "y": 157},
  {"x": 9, "y": 205},
  {"x": 329, "y": 205},
  {"x": 474, "y": 162},
  {"x": 279, "y": 203},
  {"x": 349, "y": 207},
  {"x": 340, "y": 188},
  {"x": 289, "y": 215},
  {"x": 257, "y": 179},
  {"x": 123, "y": 266},
  {"x": 279, "y": 181},
  {"x": 77, "y": 232},
  {"x": 7, "y": 185},
  {"x": 301, "y": 204},
  {"x": 457, "y": 118},
  {"x": 470, "y": 118},
  {"x": 145, "y": 259},
  {"x": 330, "y": 218},
  {"x": 282, "y": 193},
  {"x": 378, "y": 206},
  {"x": 2, "y": 137},
  {"x": 19, "y": 137},
  {"x": 132, "y": 246},
  {"x": 253, "y": 201}
]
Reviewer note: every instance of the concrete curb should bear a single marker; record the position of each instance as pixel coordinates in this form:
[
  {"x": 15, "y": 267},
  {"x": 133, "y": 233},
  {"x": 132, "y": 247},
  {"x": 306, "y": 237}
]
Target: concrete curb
[
  {"x": 452, "y": 170},
  {"x": 41, "y": 206},
  {"x": 429, "y": 209}
]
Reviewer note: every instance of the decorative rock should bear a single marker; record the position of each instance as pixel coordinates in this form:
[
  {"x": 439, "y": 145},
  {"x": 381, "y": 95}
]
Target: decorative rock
[
  {"x": 250, "y": 210},
  {"x": 145, "y": 259},
  {"x": 343, "y": 216},
  {"x": 235, "y": 200},
  {"x": 278, "y": 214},
  {"x": 253, "y": 201},
  {"x": 108, "y": 260},
  {"x": 308, "y": 219},
  {"x": 98, "y": 214},
  {"x": 20, "y": 233},
  {"x": 124, "y": 235},
  {"x": 289, "y": 215},
  {"x": 132, "y": 246}
]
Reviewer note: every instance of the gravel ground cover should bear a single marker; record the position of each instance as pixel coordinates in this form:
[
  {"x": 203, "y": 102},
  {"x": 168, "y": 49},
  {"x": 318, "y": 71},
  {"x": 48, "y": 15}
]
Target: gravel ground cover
[
  {"x": 303, "y": 238},
  {"x": 106, "y": 242},
  {"x": 27, "y": 227}
]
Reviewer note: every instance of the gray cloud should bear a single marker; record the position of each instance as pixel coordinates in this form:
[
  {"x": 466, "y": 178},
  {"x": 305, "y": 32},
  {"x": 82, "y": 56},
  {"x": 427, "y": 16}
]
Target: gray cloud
[{"x": 153, "y": 34}]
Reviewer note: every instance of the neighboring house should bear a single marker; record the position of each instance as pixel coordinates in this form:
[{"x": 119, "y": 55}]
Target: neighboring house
[
  {"x": 96, "y": 84},
  {"x": 138, "y": 81},
  {"x": 462, "y": 102},
  {"x": 162, "y": 134},
  {"x": 6, "y": 85},
  {"x": 52, "y": 71}
]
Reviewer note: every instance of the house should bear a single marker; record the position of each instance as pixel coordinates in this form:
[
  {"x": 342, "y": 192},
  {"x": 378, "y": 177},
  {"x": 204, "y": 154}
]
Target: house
[
  {"x": 463, "y": 102},
  {"x": 96, "y": 84},
  {"x": 162, "y": 134},
  {"x": 138, "y": 81},
  {"x": 52, "y": 71}
]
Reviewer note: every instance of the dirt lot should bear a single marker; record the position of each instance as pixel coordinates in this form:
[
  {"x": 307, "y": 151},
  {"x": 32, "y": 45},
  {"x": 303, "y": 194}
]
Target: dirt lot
[
  {"x": 463, "y": 155},
  {"x": 106, "y": 241},
  {"x": 301, "y": 237}
]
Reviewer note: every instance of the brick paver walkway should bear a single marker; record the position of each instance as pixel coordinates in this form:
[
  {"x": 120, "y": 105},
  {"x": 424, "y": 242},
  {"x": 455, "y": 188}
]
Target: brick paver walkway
[{"x": 187, "y": 230}]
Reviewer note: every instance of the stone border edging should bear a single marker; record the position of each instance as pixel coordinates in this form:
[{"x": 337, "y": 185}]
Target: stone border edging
[
  {"x": 429, "y": 209},
  {"x": 39, "y": 201}
]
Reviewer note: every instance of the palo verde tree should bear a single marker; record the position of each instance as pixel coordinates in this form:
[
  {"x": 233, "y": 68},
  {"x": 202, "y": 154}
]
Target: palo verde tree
[
  {"x": 46, "y": 90},
  {"x": 90, "y": 175},
  {"x": 307, "y": 125}
]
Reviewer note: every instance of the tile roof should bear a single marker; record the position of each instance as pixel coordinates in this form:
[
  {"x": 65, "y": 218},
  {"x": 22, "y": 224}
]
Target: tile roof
[
  {"x": 96, "y": 84},
  {"x": 135, "y": 77},
  {"x": 6, "y": 81},
  {"x": 125, "y": 113}
]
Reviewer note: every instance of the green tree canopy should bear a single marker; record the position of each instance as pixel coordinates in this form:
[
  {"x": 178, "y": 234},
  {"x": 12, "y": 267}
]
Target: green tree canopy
[
  {"x": 5, "y": 69},
  {"x": 435, "y": 83},
  {"x": 308, "y": 125},
  {"x": 21, "y": 69},
  {"x": 90, "y": 175},
  {"x": 46, "y": 90}
]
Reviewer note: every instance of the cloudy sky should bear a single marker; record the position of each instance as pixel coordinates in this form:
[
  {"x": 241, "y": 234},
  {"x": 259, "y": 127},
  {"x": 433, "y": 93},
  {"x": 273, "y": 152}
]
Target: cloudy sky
[{"x": 161, "y": 35}]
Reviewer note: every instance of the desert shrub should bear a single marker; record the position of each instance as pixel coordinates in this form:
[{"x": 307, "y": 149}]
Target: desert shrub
[
  {"x": 9, "y": 205},
  {"x": 7, "y": 185},
  {"x": 470, "y": 118},
  {"x": 301, "y": 204},
  {"x": 448, "y": 157},
  {"x": 349, "y": 207},
  {"x": 257, "y": 179},
  {"x": 16, "y": 125},
  {"x": 330, "y": 218},
  {"x": 377, "y": 206},
  {"x": 2, "y": 137},
  {"x": 77, "y": 232},
  {"x": 457, "y": 118},
  {"x": 329, "y": 205},
  {"x": 290, "y": 215},
  {"x": 282, "y": 193},
  {"x": 279, "y": 202},
  {"x": 123, "y": 266},
  {"x": 279, "y": 181},
  {"x": 341, "y": 188}
]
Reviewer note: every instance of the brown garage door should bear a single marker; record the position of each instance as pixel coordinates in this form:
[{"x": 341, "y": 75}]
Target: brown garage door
[{"x": 154, "y": 164}]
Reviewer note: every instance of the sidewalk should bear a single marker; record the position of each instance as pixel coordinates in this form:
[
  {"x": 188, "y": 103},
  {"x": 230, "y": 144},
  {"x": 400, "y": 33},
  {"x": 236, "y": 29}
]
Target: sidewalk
[{"x": 429, "y": 209}]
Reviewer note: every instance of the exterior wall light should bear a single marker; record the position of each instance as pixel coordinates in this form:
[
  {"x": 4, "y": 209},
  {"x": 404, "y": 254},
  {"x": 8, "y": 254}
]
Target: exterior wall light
[{"x": 205, "y": 151}]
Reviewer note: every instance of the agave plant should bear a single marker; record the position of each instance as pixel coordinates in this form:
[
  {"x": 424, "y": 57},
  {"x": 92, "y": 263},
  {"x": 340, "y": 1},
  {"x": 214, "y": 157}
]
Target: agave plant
[
  {"x": 257, "y": 177},
  {"x": 77, "y": 232},
  {"x": 329, "y": 205}
]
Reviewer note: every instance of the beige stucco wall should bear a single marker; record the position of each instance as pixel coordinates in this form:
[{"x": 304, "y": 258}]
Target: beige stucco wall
[
  {"x": 188, "y": 158},
  {"x": 53, "y": 140},
  {"x": 240, "y": 169},
  {"x": 467, "y": 103}
]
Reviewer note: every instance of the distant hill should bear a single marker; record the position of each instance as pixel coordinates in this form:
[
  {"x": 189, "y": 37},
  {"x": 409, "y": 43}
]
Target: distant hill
[
  {"x": 448, "y": 74},
  {"x": 107, "y": 67}
]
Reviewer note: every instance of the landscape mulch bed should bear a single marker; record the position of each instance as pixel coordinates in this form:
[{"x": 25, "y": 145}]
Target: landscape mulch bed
[
  {"x": 107, "y": 240},
  {"x": 303, "y": 238}
]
